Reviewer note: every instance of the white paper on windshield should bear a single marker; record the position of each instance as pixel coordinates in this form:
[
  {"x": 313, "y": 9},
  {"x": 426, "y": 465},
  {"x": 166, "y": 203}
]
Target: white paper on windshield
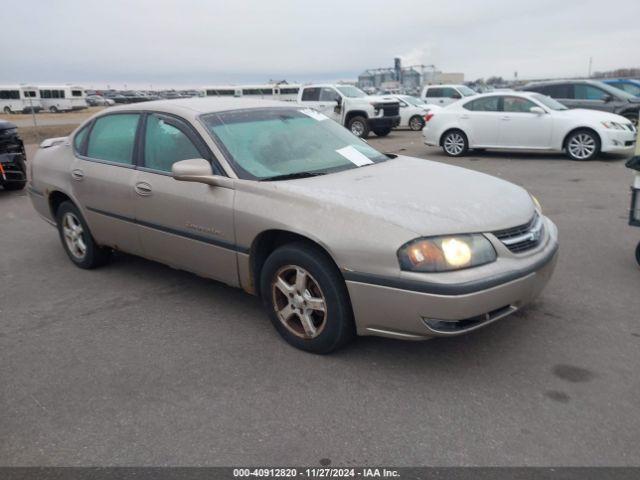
[
  {"x": 315, "y": 115},
  {"x": 354, "y": 156}
]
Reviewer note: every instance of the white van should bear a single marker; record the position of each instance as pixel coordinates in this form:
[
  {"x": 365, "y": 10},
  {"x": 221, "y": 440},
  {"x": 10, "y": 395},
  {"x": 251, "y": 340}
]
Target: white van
[
  {"x": 269, "y": 91},
  {"x": 19, "y": 99},
  {"x": 442, "y": 95},
  {"x": 62, "y": 98}
]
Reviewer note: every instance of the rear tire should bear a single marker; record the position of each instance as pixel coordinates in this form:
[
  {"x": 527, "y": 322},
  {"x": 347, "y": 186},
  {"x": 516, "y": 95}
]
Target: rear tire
[
  {"x": 382, "y": 132},
  {"x": 359, "y": 126},
  {"x": 77, "y": 240},
  {"x": 7, "y": 110},
  {"x": 582, "y": 145},
  {"x": 307, "y": 299},
  {"x": 416, "y": 123},
  {"x": 455, "y": 143}
]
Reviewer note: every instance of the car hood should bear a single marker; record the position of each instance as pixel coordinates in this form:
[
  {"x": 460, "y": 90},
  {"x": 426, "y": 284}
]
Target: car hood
[
  {"x": 4, "y": 125},
  {"x": 592, "y": 115},
  {"x": 425, "y": 197},
  {"x": 382, "y": 99}
]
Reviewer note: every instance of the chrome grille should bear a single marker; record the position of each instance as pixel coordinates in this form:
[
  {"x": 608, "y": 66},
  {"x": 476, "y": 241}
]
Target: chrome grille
[{"x": 523, "y": 237}]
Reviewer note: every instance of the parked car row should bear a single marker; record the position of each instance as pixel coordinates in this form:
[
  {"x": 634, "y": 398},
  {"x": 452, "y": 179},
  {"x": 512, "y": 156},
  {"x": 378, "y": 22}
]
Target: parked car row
[{"x": 13, "y": 172}]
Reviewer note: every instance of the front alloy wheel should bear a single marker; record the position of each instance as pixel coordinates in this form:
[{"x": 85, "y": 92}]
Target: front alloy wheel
[
  {"x": 307, "y": 298},
  {"x": 299, "y": 302},
  {"x": 583, "y": 145}
]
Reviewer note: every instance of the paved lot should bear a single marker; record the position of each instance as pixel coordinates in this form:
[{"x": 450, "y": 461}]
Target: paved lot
[{"x": 139, "y": 364}]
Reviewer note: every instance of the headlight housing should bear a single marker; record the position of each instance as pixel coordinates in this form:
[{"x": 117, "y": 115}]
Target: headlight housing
[
  {"x": 613, "y": 125},
  {"x": 537, "y": 204},
  {"x": 446, "y": 253}
]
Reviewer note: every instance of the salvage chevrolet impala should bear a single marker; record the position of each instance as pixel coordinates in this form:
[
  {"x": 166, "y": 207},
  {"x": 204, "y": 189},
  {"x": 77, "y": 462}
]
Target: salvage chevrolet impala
[{"x": 337, "y": 238}]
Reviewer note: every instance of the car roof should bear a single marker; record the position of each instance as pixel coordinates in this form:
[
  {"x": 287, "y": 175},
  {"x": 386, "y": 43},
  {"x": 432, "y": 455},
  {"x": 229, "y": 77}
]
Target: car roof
[
  {"x": 447, "y": 85},
  {"x": 561, "y": 82},
  {"x": 193, "y": 107}
]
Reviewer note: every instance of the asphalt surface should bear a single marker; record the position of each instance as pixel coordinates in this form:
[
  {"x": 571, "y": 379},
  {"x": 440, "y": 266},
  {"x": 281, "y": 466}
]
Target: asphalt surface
[{"x": 139, "y": 364}]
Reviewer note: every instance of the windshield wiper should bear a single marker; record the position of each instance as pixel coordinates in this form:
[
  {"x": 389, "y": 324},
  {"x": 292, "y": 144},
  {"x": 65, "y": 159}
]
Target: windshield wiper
[{"x": 291, "y": 176}]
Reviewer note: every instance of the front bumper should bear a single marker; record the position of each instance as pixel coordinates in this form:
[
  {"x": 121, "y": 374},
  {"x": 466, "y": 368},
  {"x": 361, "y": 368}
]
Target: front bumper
[
  {"x": 13, "y": 168},
  {"x": 618, "y": 140},
  {"x": 411, "y": 314},
  {"x": 384, "y": 122}
]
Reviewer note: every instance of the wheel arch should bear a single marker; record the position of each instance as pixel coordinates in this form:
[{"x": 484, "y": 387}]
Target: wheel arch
[
  {"x": 577, "y": 129},
  {"x": 55, "y": 199},
  {"x": 268, "y": 241},
  {"x": 451, "y": 129},
  {"x": 354, "y": 113}
]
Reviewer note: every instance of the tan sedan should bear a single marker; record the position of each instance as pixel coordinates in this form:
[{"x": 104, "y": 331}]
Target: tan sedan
[{"x": 337, "y": 238}]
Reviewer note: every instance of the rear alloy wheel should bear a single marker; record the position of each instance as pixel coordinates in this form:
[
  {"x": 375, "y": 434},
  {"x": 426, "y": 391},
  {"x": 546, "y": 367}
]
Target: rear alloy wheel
[
  {"x": 416, "y": 123},
  {"x": 307, "y": 298},
  {"x": 455, "y": 143},
  {"x": 583, "y": 145},
  {"x": 359, "y": 127},
  {"x": 77, "y": 240}
]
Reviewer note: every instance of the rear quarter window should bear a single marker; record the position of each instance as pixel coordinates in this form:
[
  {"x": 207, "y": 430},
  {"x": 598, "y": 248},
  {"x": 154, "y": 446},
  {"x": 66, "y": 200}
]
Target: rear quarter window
[{"x": 112, "y": 138}]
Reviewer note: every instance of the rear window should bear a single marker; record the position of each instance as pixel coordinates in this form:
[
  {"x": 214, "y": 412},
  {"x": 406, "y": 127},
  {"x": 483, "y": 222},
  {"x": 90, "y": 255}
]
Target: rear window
[
  {"x": 78, "y": 140},
  {"x": 112, "y": 138}
]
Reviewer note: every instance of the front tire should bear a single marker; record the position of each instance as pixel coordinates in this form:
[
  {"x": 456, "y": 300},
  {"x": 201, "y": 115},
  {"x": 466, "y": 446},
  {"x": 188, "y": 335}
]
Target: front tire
[
  {"x": 382, "y": 132},
  {"x": 307, "y": 299},
  {"x": 53, "y": 109},
  {"x": 582, "y": 145},
  {"x": 455, "y": 143},
  {"x": 632, "y": 117},
  {"x": 77, "y": 240},
  {"x": 7, "y": 110},
  {"x": 359, "y": 126},
  {"x": 416, "y": 123}
]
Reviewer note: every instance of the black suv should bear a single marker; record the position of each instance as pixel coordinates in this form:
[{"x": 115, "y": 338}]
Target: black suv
[
  {"x": 13, "y": 172},
  {"x": 589, "y": 94}
]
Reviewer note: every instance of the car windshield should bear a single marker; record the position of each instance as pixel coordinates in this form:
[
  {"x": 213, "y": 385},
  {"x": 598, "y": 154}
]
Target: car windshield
[
  {"x": 549, "y": 102},
  {"x": 466, "y": 91},
  {"x": 614, "y": 92},
  {"x": 351, "y": 92},
  {"x": 265, "y": 143}
]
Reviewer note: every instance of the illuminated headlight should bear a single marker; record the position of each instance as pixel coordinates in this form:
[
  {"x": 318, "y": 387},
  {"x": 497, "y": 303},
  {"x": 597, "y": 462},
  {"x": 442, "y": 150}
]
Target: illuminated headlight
[
  {"x": 613, "y": 125},
  {"x": 442, "y": 254}
]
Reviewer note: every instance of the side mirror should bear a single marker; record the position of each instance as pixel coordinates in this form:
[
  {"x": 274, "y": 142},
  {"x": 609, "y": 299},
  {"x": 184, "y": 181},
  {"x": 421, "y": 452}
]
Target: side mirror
[
  {"x": 197, "y": 170},
  {"x": 608, "y": 98},
  {"x": 537, "y": 110},
  {"x": 456, "y": 96}
]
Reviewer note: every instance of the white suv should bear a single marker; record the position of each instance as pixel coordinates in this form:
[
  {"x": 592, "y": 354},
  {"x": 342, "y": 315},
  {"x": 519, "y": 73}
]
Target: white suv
[
  {"x": 442, "y": 95},
  {"x": 351, "y": 107}
]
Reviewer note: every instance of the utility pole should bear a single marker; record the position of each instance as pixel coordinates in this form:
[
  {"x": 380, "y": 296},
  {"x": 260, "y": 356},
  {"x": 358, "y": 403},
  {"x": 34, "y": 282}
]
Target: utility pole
[{"x": 590, "y": 64}]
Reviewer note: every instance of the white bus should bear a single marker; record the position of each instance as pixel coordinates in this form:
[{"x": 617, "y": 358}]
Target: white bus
[
  {"x": 287, "y": 92},
  {"x": 62, "y": 98},
  {"x": 19, "y": 99}
]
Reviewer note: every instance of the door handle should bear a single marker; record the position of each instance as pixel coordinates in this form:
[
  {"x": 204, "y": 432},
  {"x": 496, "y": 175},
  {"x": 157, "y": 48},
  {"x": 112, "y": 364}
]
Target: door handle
[
  {"x": 506, "y": 118},
  {"x": 143, "y": 189},
  {"x": 77, "y": 174},
  {"x": 464, "y": 117}
]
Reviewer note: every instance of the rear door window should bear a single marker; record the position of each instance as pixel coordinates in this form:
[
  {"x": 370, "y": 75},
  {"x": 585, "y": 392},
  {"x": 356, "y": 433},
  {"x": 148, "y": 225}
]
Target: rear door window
[
  {"x": 588, "y": 92},
  {"x": 112, "y": 138},
  {"x": 486, "y": 104},
  {"x": 435, "y": 93},
  {"x": 311, "y": 94}
]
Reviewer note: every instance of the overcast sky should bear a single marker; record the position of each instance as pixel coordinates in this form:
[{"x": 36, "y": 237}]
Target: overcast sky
[{"x": 198, "y": 42}]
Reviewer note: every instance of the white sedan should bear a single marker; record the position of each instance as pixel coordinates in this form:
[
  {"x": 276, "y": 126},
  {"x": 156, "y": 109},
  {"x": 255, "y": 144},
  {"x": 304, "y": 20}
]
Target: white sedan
[
  {"x": 413, "y": 111},
  {"x": 526, "y": 121}
]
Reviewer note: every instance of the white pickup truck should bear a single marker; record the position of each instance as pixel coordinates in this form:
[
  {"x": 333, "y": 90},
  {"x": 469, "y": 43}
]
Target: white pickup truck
[{"x": 351, "y": 107}]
